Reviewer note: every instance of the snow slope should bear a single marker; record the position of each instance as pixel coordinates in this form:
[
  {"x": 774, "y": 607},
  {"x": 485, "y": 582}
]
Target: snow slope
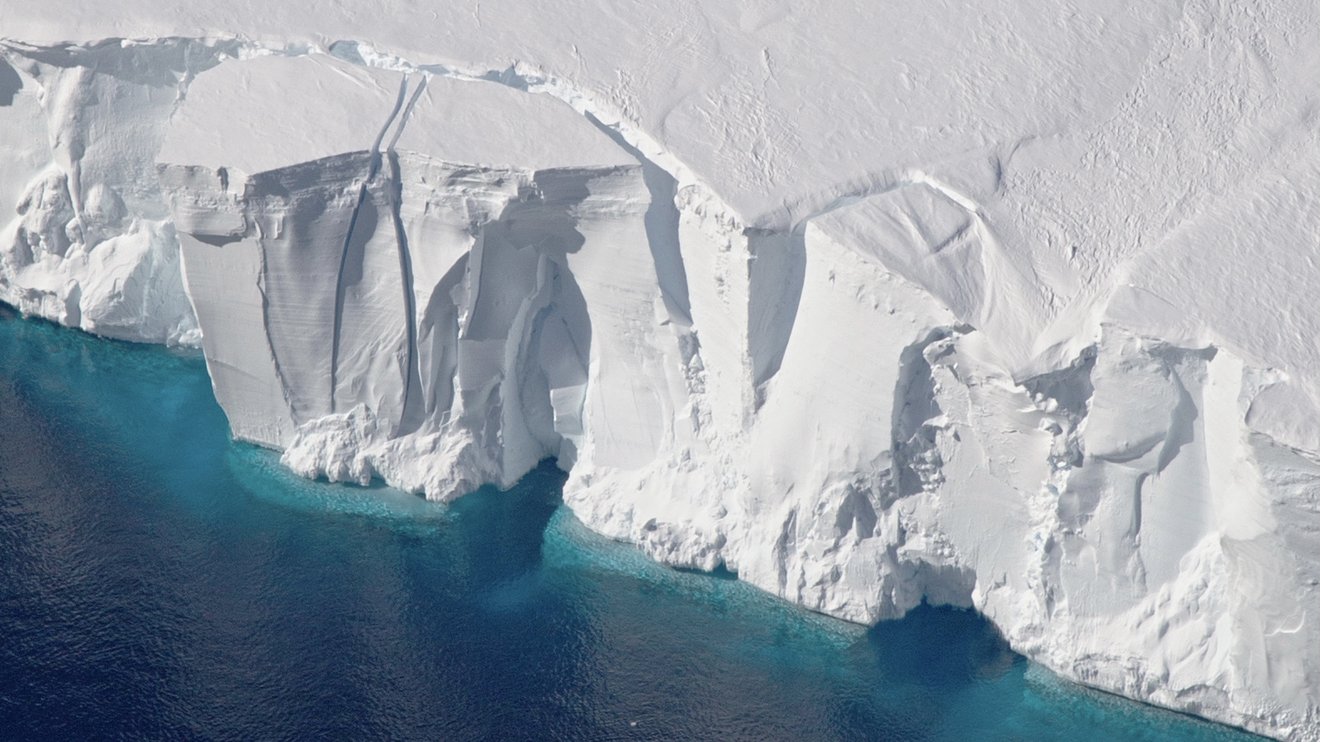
[{"x": 1003, "y": 306}]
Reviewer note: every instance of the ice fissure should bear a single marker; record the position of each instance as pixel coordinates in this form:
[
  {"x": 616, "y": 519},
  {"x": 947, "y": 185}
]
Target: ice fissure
[{"x": 858, "y": 400}]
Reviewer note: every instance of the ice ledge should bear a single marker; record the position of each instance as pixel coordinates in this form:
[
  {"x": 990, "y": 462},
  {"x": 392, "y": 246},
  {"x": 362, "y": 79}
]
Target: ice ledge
[{"x": 877, "y": 406}]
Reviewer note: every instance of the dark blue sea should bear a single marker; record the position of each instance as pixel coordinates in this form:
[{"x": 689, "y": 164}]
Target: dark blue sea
[{"x": 158, "y": 580}]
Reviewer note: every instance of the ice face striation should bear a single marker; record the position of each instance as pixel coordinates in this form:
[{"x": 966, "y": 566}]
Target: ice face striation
[
  {"x": 90, "y": 243},
  {"x": 391, "y": 297},
  {"x": 865, "y": 329}
]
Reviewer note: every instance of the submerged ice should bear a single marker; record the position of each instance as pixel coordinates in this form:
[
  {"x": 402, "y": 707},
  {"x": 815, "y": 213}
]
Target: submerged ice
[{"x": 1066, "y": 378}]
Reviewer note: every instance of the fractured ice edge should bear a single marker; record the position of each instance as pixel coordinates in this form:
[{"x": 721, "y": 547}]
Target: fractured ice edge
[{"x": 439, "y": 278}]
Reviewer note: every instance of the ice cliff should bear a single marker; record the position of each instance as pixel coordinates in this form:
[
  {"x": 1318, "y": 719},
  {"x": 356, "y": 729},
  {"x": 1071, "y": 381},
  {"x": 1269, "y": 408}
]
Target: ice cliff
[{"x": 1006, "y": 307}]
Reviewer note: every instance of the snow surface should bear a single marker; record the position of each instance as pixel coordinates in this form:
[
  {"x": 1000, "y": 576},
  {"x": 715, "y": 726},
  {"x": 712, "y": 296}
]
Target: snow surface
[{"x": 1004, "y": 306}]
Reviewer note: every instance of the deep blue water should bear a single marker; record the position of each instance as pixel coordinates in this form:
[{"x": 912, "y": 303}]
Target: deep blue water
[{"x": 158, "y": 580}]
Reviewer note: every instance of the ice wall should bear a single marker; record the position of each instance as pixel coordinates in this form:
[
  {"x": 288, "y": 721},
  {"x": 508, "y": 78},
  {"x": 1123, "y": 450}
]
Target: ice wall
[
  {"x": 412, "y": 292},
  {"x": 925, "y": 384},
  {"x": 89, "y": 242}
]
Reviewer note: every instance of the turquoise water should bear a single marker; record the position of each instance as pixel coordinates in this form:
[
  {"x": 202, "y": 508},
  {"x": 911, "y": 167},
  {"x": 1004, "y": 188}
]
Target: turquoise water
[{"x": 159, "y": 580}]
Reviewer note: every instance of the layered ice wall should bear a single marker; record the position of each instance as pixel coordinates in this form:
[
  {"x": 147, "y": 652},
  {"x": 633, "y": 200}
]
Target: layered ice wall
[
  {"x": 1052, "y": 359},
  {"x": 89, "y": 242},
  {"x": 433, "y": 281},
  {"x": 389, "y": 286}
]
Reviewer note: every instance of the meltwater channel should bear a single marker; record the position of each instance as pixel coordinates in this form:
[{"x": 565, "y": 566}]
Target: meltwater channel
[{"x": 158, "y": 580}]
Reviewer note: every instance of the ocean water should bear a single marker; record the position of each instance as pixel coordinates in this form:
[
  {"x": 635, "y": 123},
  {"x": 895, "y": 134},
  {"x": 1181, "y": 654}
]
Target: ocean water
[{"x": 158, "y": 580}]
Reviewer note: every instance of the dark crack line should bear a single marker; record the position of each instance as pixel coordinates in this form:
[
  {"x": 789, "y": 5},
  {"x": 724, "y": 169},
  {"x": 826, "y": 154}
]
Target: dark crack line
[
  {"x": 411, "y": 371},
  {"x": 407, "y": 112},
  {"x": 380, "y": 135},
  {"x": 339, "y": 292},
  {"x": 363, "y": 194}
]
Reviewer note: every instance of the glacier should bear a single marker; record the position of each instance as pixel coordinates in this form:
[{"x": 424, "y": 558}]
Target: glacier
[{"x": 1004, "y": 308}]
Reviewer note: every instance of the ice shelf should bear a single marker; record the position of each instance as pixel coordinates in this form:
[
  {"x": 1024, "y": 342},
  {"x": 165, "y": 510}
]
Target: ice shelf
[{"x": 1006, "y": 307}]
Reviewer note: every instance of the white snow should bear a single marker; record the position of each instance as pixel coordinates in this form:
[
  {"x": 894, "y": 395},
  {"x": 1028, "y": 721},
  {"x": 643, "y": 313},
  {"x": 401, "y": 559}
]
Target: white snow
[{"x": 1005, "y": 306}]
